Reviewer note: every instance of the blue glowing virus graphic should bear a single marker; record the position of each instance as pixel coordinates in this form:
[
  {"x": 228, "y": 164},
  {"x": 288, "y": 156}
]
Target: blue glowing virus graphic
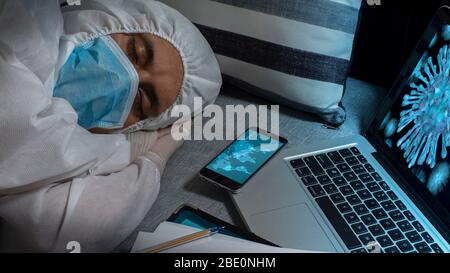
[
  {"x": 389, "y": 143},
  {"x": 439, "y": 178},
  {"x": 434, "y": 40},
  {"x": 385, "y": 121},
  {"x": 446, "y": 32},
  {"x": 428, "y": 112},
  {"x": 420, "y": 174},
  {"x": 391, "y": 127}
]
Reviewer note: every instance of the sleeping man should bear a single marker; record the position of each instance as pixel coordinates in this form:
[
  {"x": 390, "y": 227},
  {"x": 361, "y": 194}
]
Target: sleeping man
[{"x": 85, "y": 102}]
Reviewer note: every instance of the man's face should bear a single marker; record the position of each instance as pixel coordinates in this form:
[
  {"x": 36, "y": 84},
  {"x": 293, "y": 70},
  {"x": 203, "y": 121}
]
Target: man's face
[{"x": 160, "y": 71}]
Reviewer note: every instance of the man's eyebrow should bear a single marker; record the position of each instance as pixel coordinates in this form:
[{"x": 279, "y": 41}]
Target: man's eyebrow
[
  {"x": 149, "y": 89},
  {"x": 149, "y": 48}
]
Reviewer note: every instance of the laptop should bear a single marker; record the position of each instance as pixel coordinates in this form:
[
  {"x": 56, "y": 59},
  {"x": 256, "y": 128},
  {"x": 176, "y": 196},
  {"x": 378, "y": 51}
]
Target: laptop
[{"x": 387, "y": 190}]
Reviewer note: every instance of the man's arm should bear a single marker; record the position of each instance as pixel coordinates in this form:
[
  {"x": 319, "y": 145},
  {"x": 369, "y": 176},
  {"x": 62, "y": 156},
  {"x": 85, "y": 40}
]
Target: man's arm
[{"x": 96, "y": 211}]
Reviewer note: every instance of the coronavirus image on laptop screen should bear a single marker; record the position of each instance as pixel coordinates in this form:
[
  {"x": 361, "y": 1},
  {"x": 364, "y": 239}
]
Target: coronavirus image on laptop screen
[{"x": 418, "y": 126}]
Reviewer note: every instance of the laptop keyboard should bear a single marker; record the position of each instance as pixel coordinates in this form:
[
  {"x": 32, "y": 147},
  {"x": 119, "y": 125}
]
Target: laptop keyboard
[{"x": 364, "y": 211}]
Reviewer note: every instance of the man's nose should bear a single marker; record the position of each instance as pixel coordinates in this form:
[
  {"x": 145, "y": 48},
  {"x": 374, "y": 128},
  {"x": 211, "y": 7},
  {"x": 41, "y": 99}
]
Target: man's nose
[{"x": 145, "y": 76}]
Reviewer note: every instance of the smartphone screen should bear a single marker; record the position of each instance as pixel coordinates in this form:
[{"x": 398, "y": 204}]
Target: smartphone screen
[
  {"x": 192, "y": 219},
  {"x": 243, "y": 158}
]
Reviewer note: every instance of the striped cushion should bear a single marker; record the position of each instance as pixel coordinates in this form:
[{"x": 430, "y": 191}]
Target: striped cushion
[{"x": 294, "y": 52}]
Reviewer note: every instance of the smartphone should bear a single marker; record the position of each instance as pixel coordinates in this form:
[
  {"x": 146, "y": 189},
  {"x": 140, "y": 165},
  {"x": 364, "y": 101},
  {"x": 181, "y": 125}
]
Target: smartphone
[
  {"x": 235, "y": 165},
  {"x": 191, "y": 216}
]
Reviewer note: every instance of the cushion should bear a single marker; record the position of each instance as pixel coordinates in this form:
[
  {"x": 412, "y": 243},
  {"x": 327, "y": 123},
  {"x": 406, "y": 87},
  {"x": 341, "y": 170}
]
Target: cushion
[{"x": 292, "y": 52}]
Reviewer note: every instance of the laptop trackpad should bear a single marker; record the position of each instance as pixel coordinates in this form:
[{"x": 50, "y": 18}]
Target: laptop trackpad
[{"x": 292, "y": 227}]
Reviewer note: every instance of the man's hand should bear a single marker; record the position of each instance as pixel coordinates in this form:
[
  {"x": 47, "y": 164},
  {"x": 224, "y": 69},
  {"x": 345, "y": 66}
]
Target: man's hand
[
  {"x": 164, "y": 147},
  {"x": 157, "y": 146},
  {"x": 141, "y": 143}
]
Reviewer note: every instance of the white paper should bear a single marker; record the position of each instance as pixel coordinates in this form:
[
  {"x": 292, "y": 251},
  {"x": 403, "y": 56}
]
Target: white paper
[{"x": 217, "y": 243}]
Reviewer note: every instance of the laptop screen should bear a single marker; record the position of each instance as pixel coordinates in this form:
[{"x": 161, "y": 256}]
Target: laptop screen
[{"x": 415, "y": 126}]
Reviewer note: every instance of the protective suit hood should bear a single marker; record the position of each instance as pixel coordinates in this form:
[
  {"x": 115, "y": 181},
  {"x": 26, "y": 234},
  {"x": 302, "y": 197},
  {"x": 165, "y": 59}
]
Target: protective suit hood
[{"x": 96, "y": 18}]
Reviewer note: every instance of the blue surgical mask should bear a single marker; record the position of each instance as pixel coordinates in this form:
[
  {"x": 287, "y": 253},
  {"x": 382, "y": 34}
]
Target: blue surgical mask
[{"x": 100, "y": 83}]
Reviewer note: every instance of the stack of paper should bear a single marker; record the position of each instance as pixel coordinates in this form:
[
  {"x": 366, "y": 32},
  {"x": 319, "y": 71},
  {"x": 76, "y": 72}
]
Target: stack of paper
[{"x": 218, "y": 243}]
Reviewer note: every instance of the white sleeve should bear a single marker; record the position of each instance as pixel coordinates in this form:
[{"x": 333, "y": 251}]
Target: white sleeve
[
  {"x": 98, "y": 212},
  {"x": 40, "y": 140}
]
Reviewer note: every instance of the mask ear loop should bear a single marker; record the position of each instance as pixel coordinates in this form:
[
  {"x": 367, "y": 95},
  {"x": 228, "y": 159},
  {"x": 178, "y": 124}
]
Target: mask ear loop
[
  {"x": 134, "y": 77},
  {"x": 146, "y": 124}
]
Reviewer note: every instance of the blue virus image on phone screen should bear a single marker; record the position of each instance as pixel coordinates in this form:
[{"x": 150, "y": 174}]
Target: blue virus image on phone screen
[
  {"x": 418, "y": 126},
  {"x": 244, "y": 157}
]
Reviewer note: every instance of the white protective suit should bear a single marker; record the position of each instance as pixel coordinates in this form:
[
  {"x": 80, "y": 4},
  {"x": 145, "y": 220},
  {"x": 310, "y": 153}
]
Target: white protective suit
[{"x": 58, "y": 182}]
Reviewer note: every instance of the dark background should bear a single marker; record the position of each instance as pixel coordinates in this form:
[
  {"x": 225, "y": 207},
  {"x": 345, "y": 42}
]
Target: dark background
[{"x": 387, "y": 35}]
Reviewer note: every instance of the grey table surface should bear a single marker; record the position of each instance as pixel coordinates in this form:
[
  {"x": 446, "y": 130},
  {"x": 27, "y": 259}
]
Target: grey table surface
[{"x": 180, "y": 183}]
